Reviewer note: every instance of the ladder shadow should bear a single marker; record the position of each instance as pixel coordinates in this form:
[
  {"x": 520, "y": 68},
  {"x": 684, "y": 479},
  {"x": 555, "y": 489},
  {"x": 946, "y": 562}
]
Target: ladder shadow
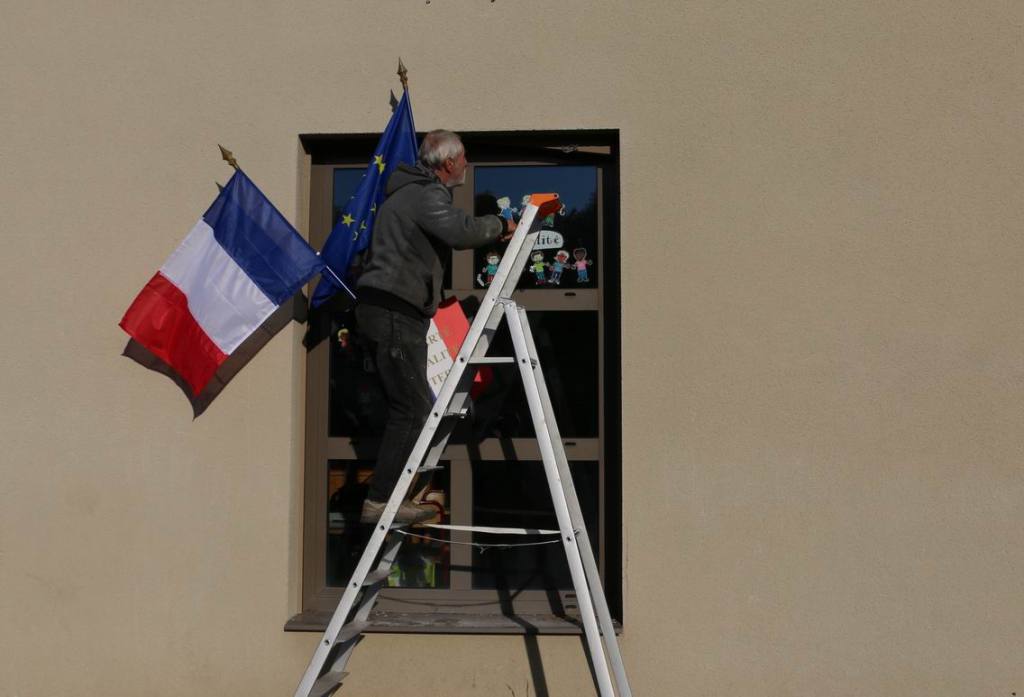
[
  {"x": 506, "y": 594},
  {"x": 530, "y": 642},
  {"x": 533, "y": 657}
]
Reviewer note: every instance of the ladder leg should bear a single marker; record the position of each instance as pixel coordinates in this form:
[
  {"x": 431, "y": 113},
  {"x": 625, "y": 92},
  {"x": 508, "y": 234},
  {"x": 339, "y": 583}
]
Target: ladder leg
[
  {"x": 352, "y": 633},
  {"x": 426, "y": 453},
  {"x": 321, "y": 678},
  {"x": 570, "y": 539},
  {"x": 576, "y": 516}
]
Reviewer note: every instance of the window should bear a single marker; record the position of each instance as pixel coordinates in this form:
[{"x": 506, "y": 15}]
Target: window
[{"x": 493, "y": 474}]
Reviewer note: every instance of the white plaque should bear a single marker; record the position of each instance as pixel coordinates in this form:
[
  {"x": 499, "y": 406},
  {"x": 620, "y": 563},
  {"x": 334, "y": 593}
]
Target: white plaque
[
  {"x": 439, "y": 361},
  {"x": 549, "y": 239}
]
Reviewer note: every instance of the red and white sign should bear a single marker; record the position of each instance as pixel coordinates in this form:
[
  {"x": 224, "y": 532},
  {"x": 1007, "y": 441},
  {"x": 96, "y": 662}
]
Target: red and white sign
[{"x": 447, "y": 331}]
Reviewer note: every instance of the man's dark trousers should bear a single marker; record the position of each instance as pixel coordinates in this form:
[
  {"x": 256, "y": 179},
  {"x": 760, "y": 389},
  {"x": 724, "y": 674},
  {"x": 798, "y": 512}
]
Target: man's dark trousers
[{"x": 399, "y": 345}]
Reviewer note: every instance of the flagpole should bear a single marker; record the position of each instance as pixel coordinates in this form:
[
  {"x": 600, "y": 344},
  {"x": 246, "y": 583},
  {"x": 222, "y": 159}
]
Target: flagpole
[
  {"x": 336, "y": 279},
  {"x": 403, "y": 75}
]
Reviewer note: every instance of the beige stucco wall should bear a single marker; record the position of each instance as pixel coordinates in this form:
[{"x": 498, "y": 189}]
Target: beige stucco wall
[{"x": 822, "y": 336}]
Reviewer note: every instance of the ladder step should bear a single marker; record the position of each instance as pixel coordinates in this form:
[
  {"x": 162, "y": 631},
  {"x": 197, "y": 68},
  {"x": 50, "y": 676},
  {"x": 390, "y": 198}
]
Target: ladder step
[
  {"x": 351, "y": 631},
  {"x": 430, "y": 468},
  {"x": 375, "y": 577},
  {"x": 327, "y": 683},
  {"x": 490, "y": 360},
  {"x": 493, "y": 531}
]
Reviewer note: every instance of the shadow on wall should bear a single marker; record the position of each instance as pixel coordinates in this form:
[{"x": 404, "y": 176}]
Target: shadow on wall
[{"x": 293, "y": 309}]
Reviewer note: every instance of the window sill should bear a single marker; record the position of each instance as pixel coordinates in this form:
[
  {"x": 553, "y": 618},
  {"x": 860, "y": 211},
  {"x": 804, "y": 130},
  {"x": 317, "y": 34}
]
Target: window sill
[{"x": 447, "y": 623}]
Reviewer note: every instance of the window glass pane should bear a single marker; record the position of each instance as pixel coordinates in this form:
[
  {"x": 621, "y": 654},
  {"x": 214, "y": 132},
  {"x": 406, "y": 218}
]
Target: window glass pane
[
  {"x": 566, "y": 254},
  {"x": 346, "y": 181},
  {"x": 567, "y": 345},
  {"x": 516, "y": 494},
  {"x": 421, "y": 563}
]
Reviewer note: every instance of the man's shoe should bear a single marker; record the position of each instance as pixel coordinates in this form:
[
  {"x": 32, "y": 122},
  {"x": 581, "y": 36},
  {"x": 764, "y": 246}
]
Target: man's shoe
[{"x": 409, "y": 513}]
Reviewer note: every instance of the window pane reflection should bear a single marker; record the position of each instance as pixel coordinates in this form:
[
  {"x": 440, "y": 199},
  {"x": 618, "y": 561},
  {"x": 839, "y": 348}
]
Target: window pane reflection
[
  {"x": 567, "y": 345},
  {"x": 356, "y": 403},
  {"x": 420, "y": 564},
  {"x": 516, "y": 494},
  {"x": 346, "y": 181}
]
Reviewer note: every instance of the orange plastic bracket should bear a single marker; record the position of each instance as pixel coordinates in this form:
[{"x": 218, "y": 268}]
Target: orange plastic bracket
[{"x": 546, "y": 204}]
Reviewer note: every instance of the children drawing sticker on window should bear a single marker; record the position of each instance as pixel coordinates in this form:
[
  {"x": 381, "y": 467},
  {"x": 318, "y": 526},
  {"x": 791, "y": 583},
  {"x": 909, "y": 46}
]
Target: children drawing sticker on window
[
  {"x": 581, "y": 263},
  {"x": 562, "y": 237},
  {"x": 486, "y": 274},
  {"x": 559, "y": 265},
  {"x": 505, "y": 208},
  {"x": 539, "y": 266}
]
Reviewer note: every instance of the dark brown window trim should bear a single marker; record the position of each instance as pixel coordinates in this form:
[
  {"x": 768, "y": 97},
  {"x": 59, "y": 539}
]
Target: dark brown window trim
[{"x": 598, "y": 148}]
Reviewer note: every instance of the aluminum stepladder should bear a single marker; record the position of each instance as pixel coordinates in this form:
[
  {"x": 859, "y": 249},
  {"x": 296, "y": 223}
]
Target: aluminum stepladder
[{"x": 326, "y": 669}]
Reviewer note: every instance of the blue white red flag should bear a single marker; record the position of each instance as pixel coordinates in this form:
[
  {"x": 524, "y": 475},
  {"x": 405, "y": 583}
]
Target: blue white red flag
[
  {"x": 351, "y": 234},
  {"x": 239, "y": 263}
]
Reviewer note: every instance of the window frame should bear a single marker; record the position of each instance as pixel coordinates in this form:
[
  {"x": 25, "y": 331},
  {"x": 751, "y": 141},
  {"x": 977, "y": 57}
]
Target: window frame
[{"x": 597, "y": 148}]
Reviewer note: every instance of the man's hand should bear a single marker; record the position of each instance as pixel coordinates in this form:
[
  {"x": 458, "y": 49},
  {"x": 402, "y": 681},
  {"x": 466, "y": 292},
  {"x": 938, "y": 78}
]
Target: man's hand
[{"x": 510, "y": 228}]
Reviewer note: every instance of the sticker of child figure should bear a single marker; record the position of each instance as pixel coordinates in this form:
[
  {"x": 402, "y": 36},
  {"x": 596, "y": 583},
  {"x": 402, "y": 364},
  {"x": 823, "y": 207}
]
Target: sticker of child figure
[
  {"x": 505, "y": 206},
  {"x": 581, "y": 263},
  {"x": 486, "y": 274},
  {"x": 561, "y": 263},
  {"x": 538, "y": 266}
]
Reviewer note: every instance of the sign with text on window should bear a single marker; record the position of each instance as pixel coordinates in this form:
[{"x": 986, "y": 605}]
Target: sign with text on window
[
  {"x": 549, "y": 239},
  {"x": 439, "y": 360},
  {"x": 447, "y": 331}
]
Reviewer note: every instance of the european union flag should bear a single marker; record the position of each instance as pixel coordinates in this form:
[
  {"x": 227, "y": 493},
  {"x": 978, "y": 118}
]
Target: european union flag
[{"x": 351, "y": 234}]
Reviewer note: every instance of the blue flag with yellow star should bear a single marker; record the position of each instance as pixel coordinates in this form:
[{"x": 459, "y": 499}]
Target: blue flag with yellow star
[{"x": 351, "y": 234}]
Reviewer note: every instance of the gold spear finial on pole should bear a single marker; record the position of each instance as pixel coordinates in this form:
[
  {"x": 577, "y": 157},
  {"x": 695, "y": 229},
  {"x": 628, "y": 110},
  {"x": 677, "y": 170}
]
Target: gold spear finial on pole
[
  {"x": 403, "y": 75},
  {"x": 228, "y": 157}
]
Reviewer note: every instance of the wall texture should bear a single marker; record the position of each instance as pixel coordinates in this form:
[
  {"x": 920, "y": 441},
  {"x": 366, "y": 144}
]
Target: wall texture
[{"x": 822, "y": 362}]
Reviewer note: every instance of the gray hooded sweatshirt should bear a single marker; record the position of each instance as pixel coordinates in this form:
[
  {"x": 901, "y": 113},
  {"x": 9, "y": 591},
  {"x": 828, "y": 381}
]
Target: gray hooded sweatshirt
[{"x": 415, "y": 227}]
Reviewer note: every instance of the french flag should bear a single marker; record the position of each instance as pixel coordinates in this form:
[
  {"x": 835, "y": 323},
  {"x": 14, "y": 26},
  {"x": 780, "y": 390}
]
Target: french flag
[{"x": 239, "y": 263}]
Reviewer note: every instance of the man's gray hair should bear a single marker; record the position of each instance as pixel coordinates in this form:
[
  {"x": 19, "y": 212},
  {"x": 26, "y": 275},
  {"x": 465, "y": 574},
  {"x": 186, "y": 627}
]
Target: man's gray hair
[{"x": 438, "y": 146}]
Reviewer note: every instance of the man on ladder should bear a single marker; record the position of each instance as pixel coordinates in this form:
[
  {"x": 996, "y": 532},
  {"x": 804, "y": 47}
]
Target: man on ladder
[{"x": 399, "y": 291}]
